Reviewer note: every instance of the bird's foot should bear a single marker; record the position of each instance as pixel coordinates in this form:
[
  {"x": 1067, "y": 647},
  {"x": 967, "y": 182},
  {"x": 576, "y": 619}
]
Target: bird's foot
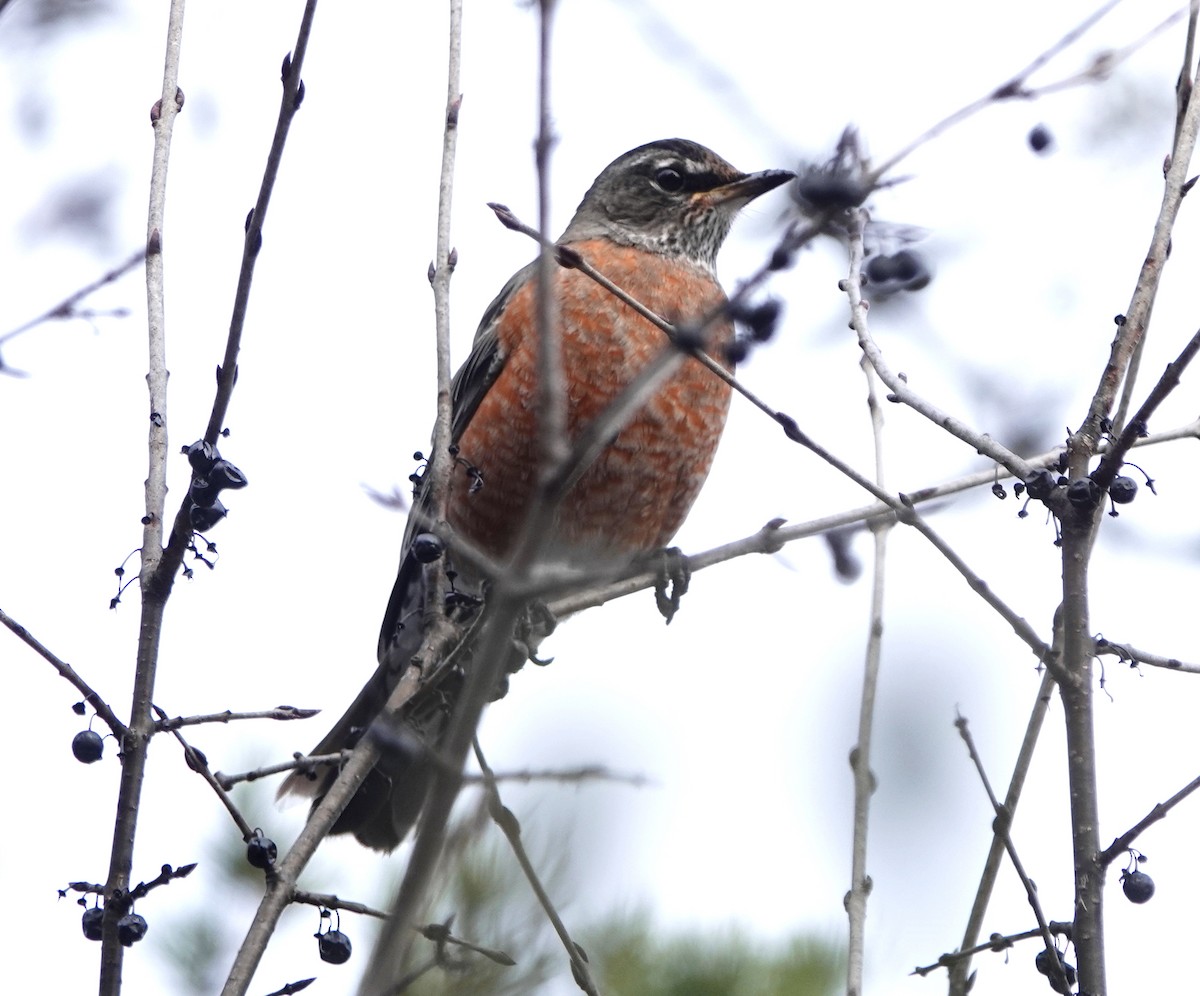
[{"x": 674, "y": 577}]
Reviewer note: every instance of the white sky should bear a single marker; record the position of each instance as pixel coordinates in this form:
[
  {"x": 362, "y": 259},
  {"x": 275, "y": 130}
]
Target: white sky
[{"x": 744, "y": 710}]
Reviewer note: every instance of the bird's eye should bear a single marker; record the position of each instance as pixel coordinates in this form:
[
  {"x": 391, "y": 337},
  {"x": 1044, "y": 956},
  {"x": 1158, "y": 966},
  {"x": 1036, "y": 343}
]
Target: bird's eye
[{"x": 669, "y": 180}]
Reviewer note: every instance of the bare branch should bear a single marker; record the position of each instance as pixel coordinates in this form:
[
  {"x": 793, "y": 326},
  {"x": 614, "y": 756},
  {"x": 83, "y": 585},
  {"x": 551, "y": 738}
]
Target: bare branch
[
  {"x": 583, "y": 773},
  {"x": 1121, "y": 844},
  {"x": 332, "y": 902},
  {"x": 1014, "y": 87},
  {"x": 959, "y": 971},
  {"x": 898, "y": 385},
  {"x": 1115, "y": 456},
  {"x": 299, "y": 762},
  {"x": 199, "y": 764},
  {"x": 1137, "y": 315},
  {"x": 66, "y": 309},
  {"x": 997, "y": 942},
  {"x": 136, "y": 743},
  {"x": 1001, "y": 826},
  {"x": 90, "y": 695},
  {"x": 1126, "y": 652},
  {"x": 860, "y": 756},
  {"x": 282, "y": 713},
  {"x": 511, "y": 828}
]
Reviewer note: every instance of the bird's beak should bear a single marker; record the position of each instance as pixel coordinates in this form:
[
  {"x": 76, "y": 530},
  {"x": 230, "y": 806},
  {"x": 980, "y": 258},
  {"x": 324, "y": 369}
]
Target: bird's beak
[{"x": 744, "y": 189}]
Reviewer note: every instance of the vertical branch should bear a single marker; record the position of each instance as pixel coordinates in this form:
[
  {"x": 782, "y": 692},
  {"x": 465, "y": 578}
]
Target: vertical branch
[
  {"x": 553, "y": 447},
  {"x": 392, "y": 948},
  {"x": 860, "y": 756},
  {"x": 492, "y": 647},
  {"x": 1075, "y": 686},
  {"x": 141, "y": 720},
  {"x": 1078, "y": 534},
  {"x": 442, "y": 271}
]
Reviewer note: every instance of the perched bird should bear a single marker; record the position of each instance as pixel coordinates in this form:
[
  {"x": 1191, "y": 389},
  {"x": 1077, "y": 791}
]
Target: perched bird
[{"x": 652, "y": 223}]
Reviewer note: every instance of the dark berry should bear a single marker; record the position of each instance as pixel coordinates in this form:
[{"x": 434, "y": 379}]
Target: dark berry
[
  {"x": 204, "y": 517},
  {"x": 334, "y": 947},
  {"x": 1044, "y": 962},
  {"x": 201, "y": 491},
  {"x": 88, "y": 746},
  {"x": 131, "y": 928},
  {"x": 906, "y": 270},
  {"x": 1039, "y": 484},
  {"x": 736, "y": 350},
  {"x": 1040, "y": 139},
  {"x": 225, "y": 475},
  {"x": 906, "y": 265},
  {"x": 261, "y": 851},
  {"x": 427, "y": 547},
  {"x": 781, "y": 258},
  {"x": 93, "y": 923},
  {"x": 819, "y": 190},
  {"x": 879, "y": 269},
  {"x": 1123, "y": 490},
  {"x": 759, "y": 319},
  {"x": 1138, "y": 886},
  {"x": 201, "y": 455},
  {"x": 1083, "y": 493}
]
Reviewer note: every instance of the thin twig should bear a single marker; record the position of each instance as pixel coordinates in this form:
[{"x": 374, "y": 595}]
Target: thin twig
[
  {"x": 1121, "y": 844},
  {"x": 1015, "y": 87},
  {"x": 860, "y": 757},
  {"x": 330, "y": 901},
  {"x": 1110, "y": 465},
  {"x": 1125, "y": 652},
  {"x": 507, "y": 822},
  {"x": 773, "y": 536},
  {"x": 997, "y": 942},
  {"x": 287, "y": 872},
  {"x": 551, "y": 398},
  {"x": 282, "y": 713},
  {"x": 901, "y": 505},
  {"x": 583, "y": 773},
  {"x": 300, "y": 762},
  {"x": 960, "y": 970},
  {"x": 90, "y": 695},
  {"x": 1137, "y": 315},
  {"x": 392, "y": 948},
  {"x": 276, "y": 895},
  {"x": 1001, "y": 825},
  {"x": 903, "y": 394},
  {"x": 66, "y": 308},
  {"x": 199, "y": 764}
]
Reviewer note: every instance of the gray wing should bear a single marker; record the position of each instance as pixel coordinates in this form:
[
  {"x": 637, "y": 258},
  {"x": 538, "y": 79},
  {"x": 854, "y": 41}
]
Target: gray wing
[{"x": 476, "y": 376}]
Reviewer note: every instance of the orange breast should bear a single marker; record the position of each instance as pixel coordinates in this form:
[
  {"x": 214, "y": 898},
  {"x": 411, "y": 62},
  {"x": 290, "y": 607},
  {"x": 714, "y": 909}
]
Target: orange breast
[{"x": 639, "y": 490}]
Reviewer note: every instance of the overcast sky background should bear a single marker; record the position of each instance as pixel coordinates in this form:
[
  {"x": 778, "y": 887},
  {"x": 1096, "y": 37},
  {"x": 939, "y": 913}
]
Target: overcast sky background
[{"x": 743, "y": 710}]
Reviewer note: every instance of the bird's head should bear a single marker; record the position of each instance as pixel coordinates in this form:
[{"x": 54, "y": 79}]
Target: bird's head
[{"x": 672, "y": 196}]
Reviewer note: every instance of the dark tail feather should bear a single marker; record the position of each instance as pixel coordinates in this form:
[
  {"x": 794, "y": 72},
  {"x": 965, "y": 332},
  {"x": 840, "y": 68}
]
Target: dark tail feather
[{"x": 389, "y": 800}]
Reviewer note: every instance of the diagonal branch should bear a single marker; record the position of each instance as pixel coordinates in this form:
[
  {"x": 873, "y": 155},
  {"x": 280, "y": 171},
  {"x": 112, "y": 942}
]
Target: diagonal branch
[
  {"x": 1001, "y": 824},
  {"x": 91, "y": 696},
  {"x": 1121, "y": 844},
  {"x": 503, "y": 817}
]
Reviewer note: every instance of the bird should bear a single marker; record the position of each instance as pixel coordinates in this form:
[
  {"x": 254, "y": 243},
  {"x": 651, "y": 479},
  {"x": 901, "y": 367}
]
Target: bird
[{"x": 652, "y": 222}]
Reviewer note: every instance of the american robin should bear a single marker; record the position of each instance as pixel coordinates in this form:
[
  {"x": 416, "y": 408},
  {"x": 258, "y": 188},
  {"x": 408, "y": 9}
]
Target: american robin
[{"x": 652, "y": 223}]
